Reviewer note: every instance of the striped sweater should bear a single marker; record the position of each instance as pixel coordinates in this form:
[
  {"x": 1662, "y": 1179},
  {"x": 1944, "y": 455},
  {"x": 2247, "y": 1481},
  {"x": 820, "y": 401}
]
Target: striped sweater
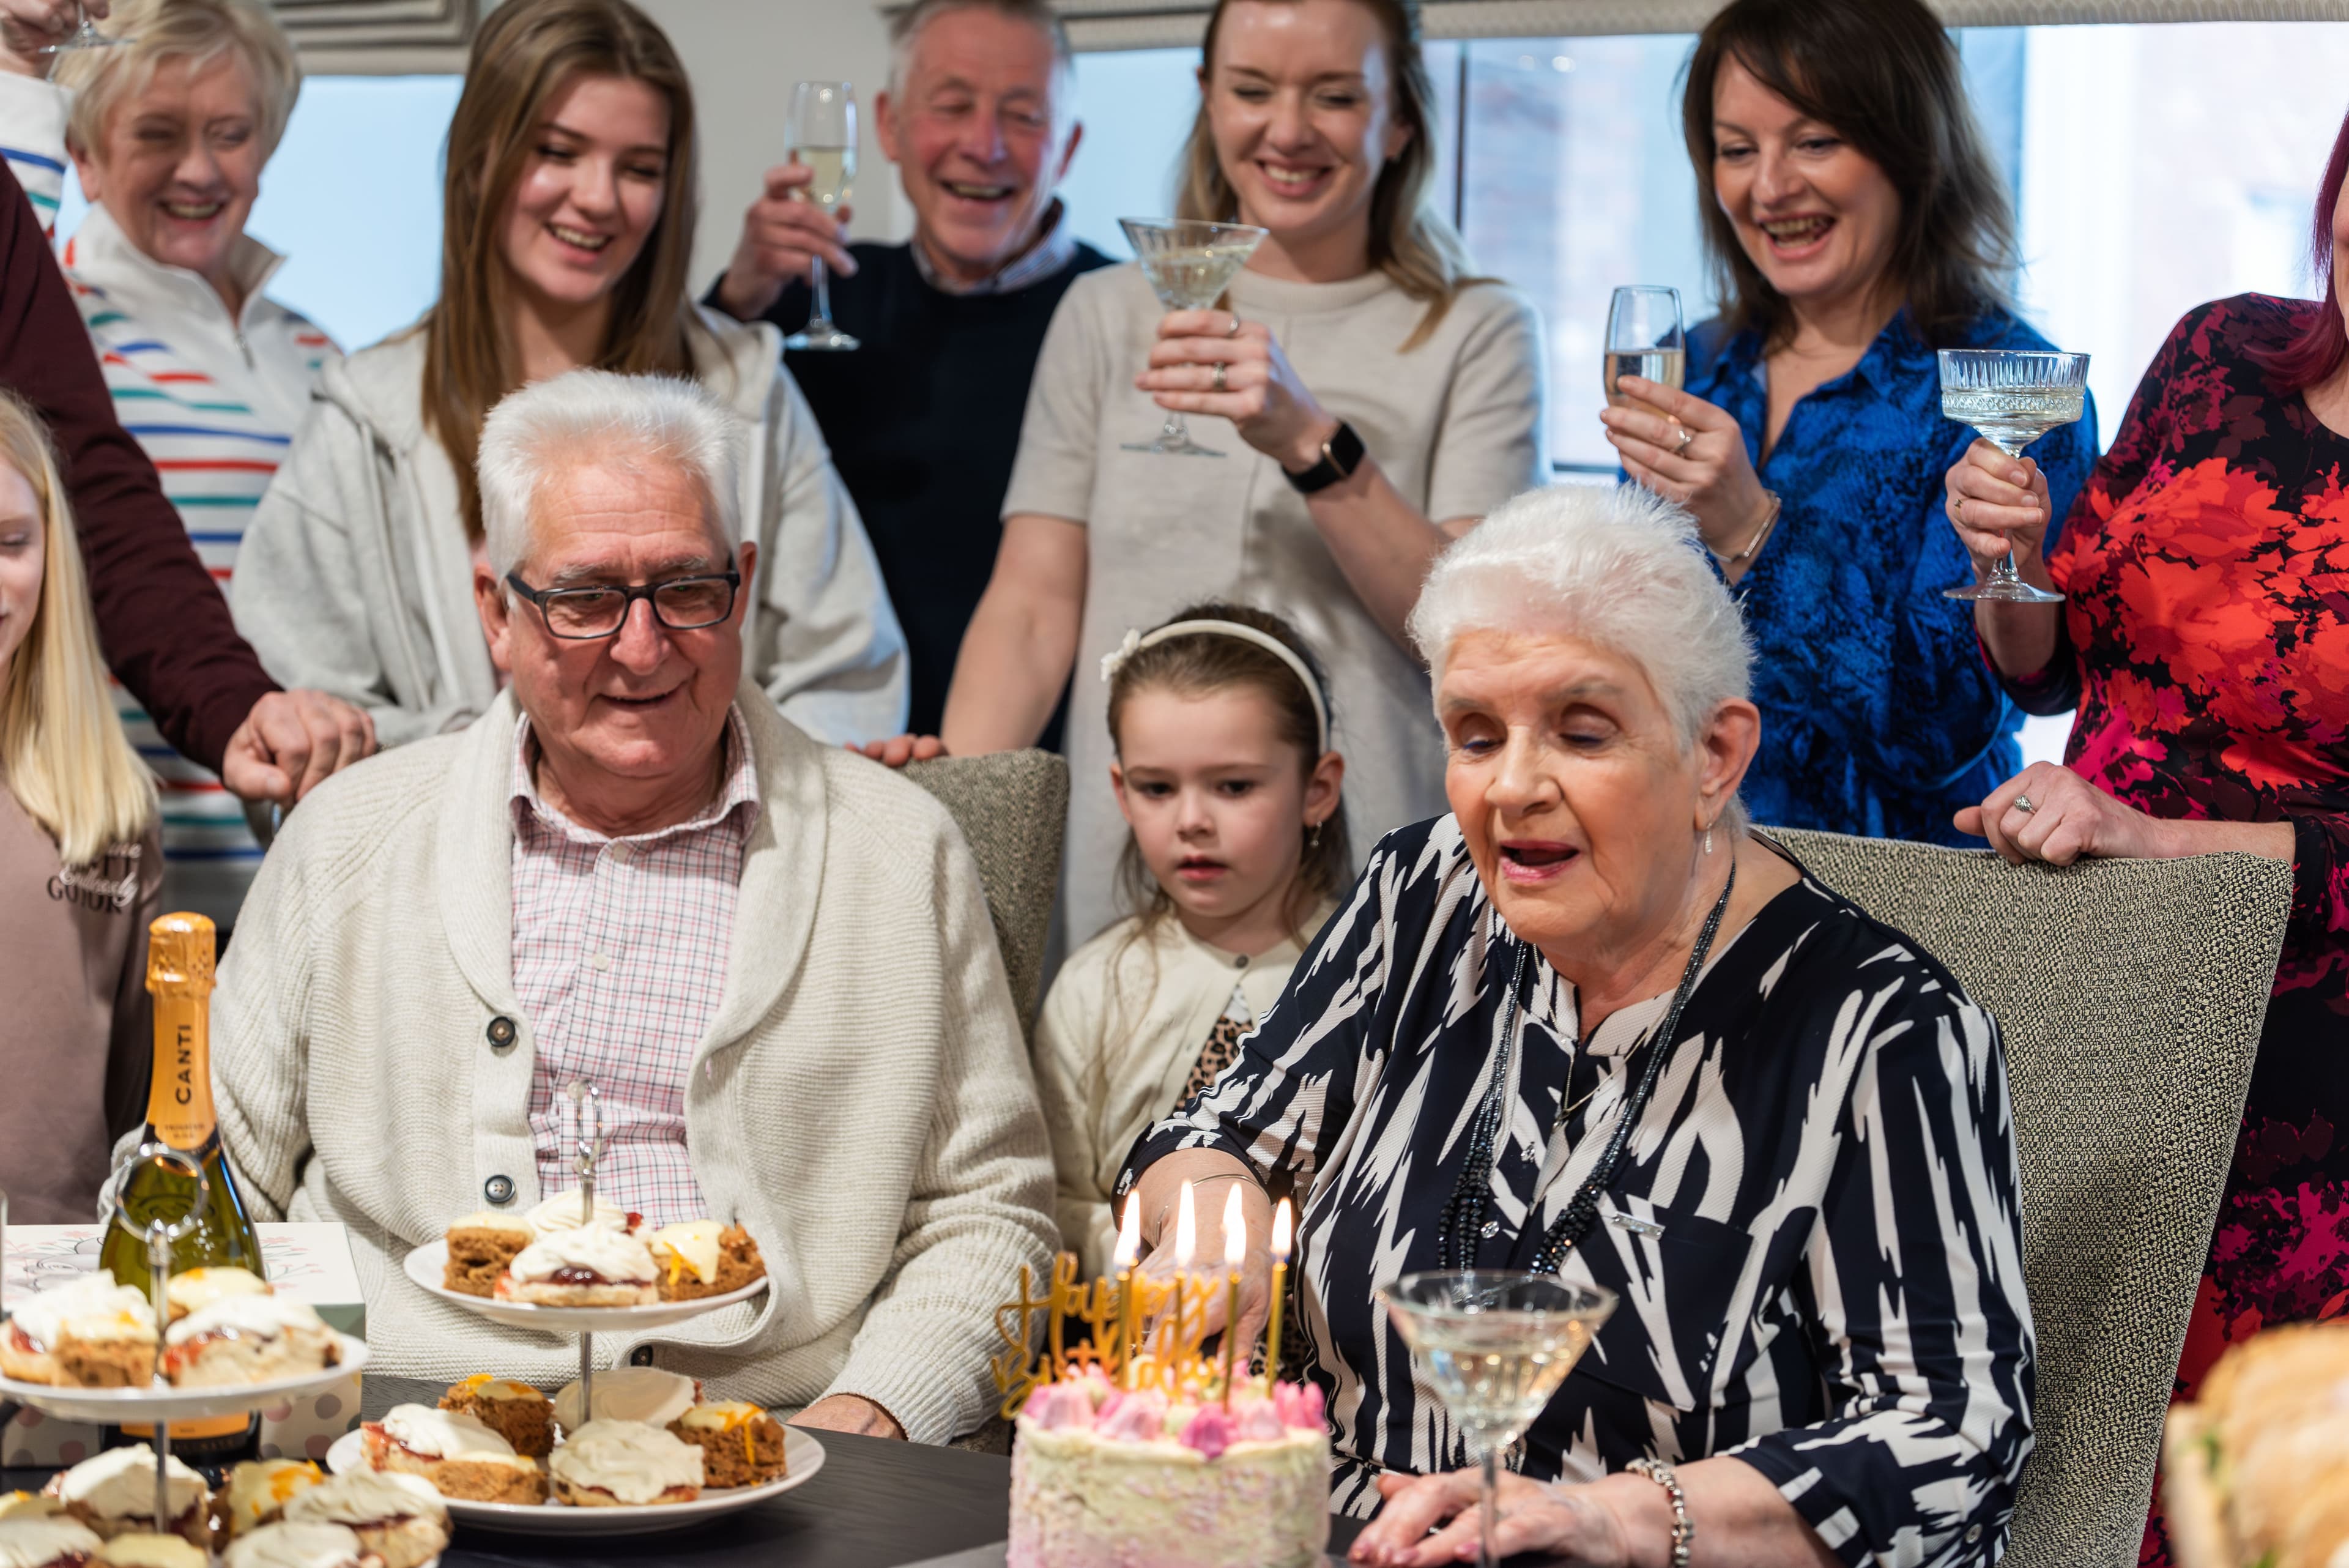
[{"x": 215, "y": 400}]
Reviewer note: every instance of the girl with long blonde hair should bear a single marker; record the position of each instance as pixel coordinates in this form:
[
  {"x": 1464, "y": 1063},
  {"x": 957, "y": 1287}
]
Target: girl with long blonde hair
[
  {"x": 1363, "y": 397},
  {"x": 81, "y": 863},
  {"x": 567, "y": 228}
]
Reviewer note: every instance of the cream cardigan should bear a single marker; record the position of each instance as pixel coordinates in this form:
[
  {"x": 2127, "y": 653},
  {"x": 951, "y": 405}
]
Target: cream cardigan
[
  {"x": 1118, "y": 1037},
  {"x": 862, "y": 1103}
]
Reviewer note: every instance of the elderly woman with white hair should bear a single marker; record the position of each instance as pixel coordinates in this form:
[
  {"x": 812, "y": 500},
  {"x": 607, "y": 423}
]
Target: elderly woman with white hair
[
  {"x": 1588, "y": 1023},
  {"x": 170, "y": 131}
]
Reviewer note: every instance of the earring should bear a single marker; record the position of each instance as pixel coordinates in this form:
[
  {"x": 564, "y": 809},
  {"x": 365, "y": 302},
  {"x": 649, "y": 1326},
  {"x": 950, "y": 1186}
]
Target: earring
[
  {"x": 1313, "y": 837},
  {"x": 1708, "y": 840}
]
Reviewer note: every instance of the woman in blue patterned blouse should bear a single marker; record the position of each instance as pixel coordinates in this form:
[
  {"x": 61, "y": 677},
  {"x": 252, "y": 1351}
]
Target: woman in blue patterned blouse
[{"x": 1856, "y": 226}]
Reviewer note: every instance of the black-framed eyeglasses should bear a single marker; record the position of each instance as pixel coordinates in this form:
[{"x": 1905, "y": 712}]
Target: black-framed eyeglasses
[{"x": 680, "y": 604}]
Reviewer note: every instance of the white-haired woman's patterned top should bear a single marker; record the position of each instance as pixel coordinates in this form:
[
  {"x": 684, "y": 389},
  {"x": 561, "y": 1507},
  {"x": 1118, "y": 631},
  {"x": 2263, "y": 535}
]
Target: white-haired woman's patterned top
[{"x": 1815, "y": 1232}]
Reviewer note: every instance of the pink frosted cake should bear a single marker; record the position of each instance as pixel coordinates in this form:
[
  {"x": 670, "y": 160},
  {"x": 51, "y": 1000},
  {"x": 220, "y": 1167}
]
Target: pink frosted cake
[{"x": 1102, "y": 1479}]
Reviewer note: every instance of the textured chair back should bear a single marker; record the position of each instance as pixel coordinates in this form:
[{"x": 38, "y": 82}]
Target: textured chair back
[
  {"x": 1011, "y": 806},
  {"x": 2130, "y": 996}
]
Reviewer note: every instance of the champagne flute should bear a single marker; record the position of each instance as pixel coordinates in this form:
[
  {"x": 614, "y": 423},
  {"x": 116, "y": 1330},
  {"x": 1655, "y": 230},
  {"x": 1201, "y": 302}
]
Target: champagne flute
[
  {"x": 1645, "y": 338},
  {"x": 85, "y": 36},
  {"x": 1496, "y": 1345},
  {"x": 820, "y": 133},
  {"x": 2011, "y": 396},
  {"x": 1189, "y": 263}
]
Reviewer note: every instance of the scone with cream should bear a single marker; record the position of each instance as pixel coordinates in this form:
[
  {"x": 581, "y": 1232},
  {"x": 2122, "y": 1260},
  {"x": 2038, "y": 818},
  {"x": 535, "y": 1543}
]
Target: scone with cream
[
  {"x": 643, "y": 1394},
  {"x": 29, "y": 1505},
  {"x": 114, "y": 1494},
  {"x": 199, "y": 1288},
  {"x": 702, "y": 1258},
  {"x": 625, "y": 1464},
  {"x": 26, "y": 1542},
  {"x": 583, "y": 1268},
  {"x": 28, "y": 1340},
  {"x": 299, "y": 1546},
  {"x": 740, "y": 1444},
  {"x": 242, "y": 1339},
  {"x": 480, "y": 1247},
  {"x": 458, "y": 1455},
  {"x": 399, "y": 1518},
  {"x": 560, "y": 1213},
  {"x": 514, "y": 1411},
  {"x": 146, "y": 1549},
  {"x": 258, "y": 1490}
]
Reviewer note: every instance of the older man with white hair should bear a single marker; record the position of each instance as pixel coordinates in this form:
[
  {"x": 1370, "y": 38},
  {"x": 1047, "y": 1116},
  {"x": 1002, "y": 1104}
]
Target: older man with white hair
[
  {"x": 923, "y": 418},
  {"x": 772, "y": 957}
]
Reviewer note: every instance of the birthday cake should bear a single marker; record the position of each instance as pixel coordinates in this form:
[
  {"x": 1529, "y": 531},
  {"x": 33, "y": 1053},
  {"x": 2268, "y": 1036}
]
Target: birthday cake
[{"x": 1105, "y": 1478}]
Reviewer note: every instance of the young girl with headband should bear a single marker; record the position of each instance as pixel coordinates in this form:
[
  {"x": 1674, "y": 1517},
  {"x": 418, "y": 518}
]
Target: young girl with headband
[{"x": 1219, "y": 723}]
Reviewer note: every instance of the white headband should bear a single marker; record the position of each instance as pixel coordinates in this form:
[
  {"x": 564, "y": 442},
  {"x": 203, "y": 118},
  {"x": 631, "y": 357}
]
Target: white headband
[{"x": 1136, "y": 641}]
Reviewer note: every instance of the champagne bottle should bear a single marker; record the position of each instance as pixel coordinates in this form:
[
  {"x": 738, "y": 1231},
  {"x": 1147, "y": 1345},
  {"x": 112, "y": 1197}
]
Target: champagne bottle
[{"x": 180, "y": 1115}]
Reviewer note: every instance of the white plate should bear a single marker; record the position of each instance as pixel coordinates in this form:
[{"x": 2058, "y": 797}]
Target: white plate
[
  {"x": 801, "y": 1453},
  {"x": 112, "y": 1406},
  {"x": 429, "y": 1266}
]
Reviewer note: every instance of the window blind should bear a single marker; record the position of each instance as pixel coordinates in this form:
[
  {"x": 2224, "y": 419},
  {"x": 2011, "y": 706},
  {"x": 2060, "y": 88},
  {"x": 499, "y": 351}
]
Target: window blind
[
  {"x": 380, "y": 37},
  {"x": 1159, "y": 24}
]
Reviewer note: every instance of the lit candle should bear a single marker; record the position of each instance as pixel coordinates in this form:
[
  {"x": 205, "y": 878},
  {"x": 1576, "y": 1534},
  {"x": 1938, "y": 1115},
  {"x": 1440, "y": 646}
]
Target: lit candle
[
  {"x": 1129, "y": 1248},
  {"x": 1186, "y": 1246},
  {"x": 1281, "y": 1226},
  {"x": 1235, "y": 1255}
]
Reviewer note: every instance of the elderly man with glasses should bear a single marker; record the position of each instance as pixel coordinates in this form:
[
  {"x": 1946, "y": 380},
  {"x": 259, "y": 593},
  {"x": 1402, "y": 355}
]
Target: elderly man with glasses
[{"x": 770, "y": 957}]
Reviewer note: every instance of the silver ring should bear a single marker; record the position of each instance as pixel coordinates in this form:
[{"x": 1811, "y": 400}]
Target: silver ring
[
  {"x": 1234, "y": 330},
  {"x": 2022, "y": 803},
  {"x": 1218, "y": 382},
  {"x": 1686, "y": 435}
]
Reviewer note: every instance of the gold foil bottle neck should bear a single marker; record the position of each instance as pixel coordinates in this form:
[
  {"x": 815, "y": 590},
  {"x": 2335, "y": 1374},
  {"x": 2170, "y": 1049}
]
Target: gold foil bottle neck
[{"x": 179, "y": 954}]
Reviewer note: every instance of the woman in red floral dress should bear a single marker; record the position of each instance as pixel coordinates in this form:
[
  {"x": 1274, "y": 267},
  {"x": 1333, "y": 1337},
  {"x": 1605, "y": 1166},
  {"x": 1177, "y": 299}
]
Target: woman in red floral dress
[{"x": 2204, "y": 637}]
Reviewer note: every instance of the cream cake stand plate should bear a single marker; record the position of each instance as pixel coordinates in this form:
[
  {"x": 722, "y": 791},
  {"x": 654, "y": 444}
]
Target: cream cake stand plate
[
  {"x": 112, "y": 1406},
  {"x": 427, "y": 1265},
  {"x": 801, "y": 1453}
]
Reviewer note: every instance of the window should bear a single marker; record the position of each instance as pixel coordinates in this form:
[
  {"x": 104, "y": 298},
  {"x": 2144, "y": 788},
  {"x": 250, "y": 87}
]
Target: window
[
  {"x": 2155, "y": 166},
  {"x": 352, "y": 200}
]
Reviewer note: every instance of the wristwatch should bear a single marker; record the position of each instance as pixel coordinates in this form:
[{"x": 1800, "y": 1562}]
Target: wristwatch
[{"x": 1342, "y": 455}]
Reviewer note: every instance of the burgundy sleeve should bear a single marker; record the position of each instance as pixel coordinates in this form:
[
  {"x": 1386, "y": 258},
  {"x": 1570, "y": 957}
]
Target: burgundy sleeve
[{"x": 164, "y": 624}]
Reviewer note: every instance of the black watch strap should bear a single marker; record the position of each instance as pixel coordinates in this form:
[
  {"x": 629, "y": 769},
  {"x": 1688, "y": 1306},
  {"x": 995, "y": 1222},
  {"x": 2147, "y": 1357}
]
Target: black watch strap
[{"x": 1340, "y": 455}]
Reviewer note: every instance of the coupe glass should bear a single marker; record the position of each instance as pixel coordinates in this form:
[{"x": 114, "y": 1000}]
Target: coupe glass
[
  {"x": 820, "y": 133},
  {"x": 1645, "y": 338},
  {"x": 1496, "y": 1345},
  {"x": 1190, "y": 264},
  {"x": 2011, "y": 396},
  {"x": 85, "y": 36}
]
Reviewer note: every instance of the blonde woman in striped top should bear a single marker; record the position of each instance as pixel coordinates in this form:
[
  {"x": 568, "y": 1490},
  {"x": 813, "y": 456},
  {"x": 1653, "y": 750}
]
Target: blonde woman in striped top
[{"x": 169, "y": 134}]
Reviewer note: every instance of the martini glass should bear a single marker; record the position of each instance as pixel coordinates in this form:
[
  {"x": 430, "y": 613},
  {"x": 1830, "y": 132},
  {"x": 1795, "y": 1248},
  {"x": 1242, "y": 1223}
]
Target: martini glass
[
  {"x": 1190, "y": 262},
  {"x": 2011, "y": 396},
  {"x": 1496, "y": 1345},
  {"x": 85, "y": 36}
]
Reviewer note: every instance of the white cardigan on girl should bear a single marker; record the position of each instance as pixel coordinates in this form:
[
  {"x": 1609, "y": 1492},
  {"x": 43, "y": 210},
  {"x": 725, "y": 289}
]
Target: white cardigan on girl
[{"x": 862, "y": 1101}]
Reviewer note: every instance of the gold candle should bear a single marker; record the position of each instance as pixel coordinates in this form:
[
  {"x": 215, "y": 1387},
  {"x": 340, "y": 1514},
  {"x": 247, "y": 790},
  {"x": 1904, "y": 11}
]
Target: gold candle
[
  {"x": 1235, "y": 1255},
  {"x": 1129, "y": 1248},
  {"x": 1186, "y": 1246},
  {"x": 1281, "y": 1229}
]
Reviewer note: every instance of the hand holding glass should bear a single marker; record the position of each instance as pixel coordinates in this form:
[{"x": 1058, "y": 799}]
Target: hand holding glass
[
  {"x": 2011, "y": 396},
  {"x": 1645, "y": 338},
  {"x": 1496, "y": 1345},
  {"x": 1189, "y": 264},
  {"x": 85, "y": 36},
  {"x": 820, "y": 133}
]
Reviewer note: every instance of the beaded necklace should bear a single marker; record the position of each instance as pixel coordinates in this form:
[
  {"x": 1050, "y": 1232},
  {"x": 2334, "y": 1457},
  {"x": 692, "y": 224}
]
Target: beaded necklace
[{"x": 1463, "y": 1215}]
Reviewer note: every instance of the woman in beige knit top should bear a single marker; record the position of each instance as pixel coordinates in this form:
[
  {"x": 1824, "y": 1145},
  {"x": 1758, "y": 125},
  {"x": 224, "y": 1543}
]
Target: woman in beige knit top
[
  {"x": 81, "y": 869},
  {"x": 1237, "y": 843},
  {"x": 1369, "y": 397}
]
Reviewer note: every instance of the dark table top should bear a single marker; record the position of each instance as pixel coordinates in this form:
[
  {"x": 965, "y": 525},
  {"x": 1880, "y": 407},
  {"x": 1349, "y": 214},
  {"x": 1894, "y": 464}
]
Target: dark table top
[{"x": 875, "y": 1504}]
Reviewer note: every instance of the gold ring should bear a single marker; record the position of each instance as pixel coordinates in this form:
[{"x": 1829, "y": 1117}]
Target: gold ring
[{"x": 1958, "y": 510}]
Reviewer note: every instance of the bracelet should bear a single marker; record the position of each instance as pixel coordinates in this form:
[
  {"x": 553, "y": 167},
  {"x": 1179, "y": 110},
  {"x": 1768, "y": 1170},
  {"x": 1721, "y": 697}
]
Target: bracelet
[
  {"x": 1656, "y": 1471},
  {"x": 1769, "y": 521}
]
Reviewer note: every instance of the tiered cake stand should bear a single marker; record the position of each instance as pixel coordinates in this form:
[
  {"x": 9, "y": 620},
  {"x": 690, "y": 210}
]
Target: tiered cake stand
[
  {"x": 428, "y": 1267},
  {"x": 159, "y": 1403}
]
